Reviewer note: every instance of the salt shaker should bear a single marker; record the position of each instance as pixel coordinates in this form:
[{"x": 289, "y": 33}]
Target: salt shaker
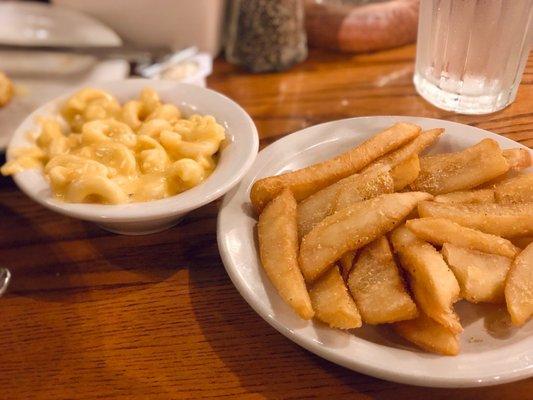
[{"x": 266, "y": 35}]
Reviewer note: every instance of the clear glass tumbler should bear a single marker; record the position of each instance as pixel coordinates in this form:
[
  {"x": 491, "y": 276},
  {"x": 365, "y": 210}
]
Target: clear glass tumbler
[{"x": 471, "y": 53}]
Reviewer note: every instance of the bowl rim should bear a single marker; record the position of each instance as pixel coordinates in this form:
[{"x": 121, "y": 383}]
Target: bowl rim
[{"x": 140, "y": 211}]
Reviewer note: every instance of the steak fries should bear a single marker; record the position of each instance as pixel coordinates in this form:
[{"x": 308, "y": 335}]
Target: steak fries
[{"x": 460, "y": 225}]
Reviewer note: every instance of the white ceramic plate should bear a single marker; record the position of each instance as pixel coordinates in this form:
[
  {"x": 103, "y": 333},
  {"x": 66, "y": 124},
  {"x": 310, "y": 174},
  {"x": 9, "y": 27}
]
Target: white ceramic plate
[
  {"x": 39, "y": 77},
  {"x": 491, "y": 351}
]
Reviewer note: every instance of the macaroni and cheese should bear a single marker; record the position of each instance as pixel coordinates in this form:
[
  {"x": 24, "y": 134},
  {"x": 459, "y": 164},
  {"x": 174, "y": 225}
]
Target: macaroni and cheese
[{"x": 112, "y": 154}]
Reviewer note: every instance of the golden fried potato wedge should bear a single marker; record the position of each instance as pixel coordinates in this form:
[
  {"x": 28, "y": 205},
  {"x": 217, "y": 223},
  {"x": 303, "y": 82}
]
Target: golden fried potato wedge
[
  {"x": 481, "y": 276},
  {"x": 518, "y": 189},
  {"x": 440, "y": 230},
  {"x": 518, "y": 159},
  {"x": 372, "y": 183},
  {"x": 332, "y": 302},
  {"x": 353, "y": 227},
  {"x": 346, "y": 263},
  {"x": 467, "y": 196},
  {"x": 428, "y": 335},
  {"x": 505, "y": 220},
  {"x": 466, "y": 169},
  {"x": 377, "y": 287},
  {"x": 413, "y": 148},
  {"x": 306, "y": 181},
  {"x": 519, "y": 287},
  {"x": 433, "y": 284},
  {"x": 405, "y": 172},
  {"x": 342, "y": 194},
  {"x": 522, "y": 242},
  {"x": 278, "y": 249}
]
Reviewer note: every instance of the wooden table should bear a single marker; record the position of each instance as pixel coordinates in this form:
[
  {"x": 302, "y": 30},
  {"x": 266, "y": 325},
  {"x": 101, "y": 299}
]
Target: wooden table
[{"x": 95, "y": 315}]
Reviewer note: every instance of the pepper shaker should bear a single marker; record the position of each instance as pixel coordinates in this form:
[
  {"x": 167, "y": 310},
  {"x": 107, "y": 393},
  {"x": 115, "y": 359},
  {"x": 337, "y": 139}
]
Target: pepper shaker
[{"x": 266, "y": 35}]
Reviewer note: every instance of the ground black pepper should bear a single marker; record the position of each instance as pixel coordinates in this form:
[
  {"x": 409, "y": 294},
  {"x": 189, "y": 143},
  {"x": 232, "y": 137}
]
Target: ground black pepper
[{"x": 266, "y": 35}]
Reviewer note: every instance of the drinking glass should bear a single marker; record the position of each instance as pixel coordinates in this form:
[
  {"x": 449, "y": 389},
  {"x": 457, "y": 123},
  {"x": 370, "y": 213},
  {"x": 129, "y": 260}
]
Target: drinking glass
[{"x": 471, "y": 53}]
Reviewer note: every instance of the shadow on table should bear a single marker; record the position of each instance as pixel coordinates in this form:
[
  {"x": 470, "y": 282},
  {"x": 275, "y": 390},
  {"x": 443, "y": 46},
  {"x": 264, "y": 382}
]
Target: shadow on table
[
  {"x": 263, "y": 361},
  {"x": 398, "y": 391},
  {"x": 64, "y": 269},
  {"x": 268, "y": 364},
  {"x": 55, "y": 256}
]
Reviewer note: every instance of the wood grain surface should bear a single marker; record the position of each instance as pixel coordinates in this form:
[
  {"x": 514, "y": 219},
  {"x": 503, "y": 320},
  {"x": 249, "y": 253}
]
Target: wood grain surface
[{"x": 93, "y": 315}]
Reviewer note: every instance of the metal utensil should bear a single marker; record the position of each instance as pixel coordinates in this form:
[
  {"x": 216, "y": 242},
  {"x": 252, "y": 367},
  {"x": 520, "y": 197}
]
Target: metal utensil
[
  {"x": 127, "y": 52},
  {"x": 5, "y": 277},
  {"x": 152, "y": 69}
]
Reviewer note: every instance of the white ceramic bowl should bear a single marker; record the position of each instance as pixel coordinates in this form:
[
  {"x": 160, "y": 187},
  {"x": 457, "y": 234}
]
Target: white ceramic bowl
[
  {"x": 142, "y": 218},
  {"x": 492, "y": 352}
]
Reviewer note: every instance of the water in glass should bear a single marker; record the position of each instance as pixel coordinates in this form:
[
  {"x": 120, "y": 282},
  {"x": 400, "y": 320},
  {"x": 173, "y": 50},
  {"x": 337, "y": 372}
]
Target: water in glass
[{"x": 471, "y": 53}]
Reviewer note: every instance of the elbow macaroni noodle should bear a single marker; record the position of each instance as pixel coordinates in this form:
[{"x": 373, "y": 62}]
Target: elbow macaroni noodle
[{"x": 144, "y": 150}]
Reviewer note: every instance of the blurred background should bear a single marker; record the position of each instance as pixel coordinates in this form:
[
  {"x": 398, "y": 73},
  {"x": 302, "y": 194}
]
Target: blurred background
[
  {"x": 470, "y": 53},
  {"x": 48, "y": 47}
]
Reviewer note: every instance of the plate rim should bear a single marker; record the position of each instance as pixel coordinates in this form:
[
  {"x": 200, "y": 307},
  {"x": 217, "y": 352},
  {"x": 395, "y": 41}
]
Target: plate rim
[
  {"x": 61, "y": 12},
  {"x": 329, "y": 354}
]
